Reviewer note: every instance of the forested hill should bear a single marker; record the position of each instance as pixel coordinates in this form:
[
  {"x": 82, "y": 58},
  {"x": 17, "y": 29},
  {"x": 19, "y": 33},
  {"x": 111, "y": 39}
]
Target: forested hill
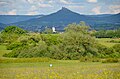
[{"x": 63, "y": 17}]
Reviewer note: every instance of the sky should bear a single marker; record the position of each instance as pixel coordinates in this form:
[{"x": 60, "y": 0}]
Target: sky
[{"x": 45, "y": 7}]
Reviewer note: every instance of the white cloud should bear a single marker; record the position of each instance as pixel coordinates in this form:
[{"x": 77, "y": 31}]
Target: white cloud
[
  {"x": 39, "y": 3},
  {"x": 35, "y": 1},
  {"x": 64, "y": 2},
  {"x": 30, "y": 1},
  {"x": 32, "y": 13},
  {"x": 12, "y": 12},
  {"x": 67, "y": 2},
  {"x": 33, "y": 8},
  {"x": 96, "y": 10},
  {"x": 2, "y": 13},
  {"x": 51, "y": 1},
  {"x": 76, "y": 7},
  {"x": 45, "y": 5},
  {"x": 3, "y": 3},
  {"x": 92, "y": 1},
  {"x": 114, "y": 9}
]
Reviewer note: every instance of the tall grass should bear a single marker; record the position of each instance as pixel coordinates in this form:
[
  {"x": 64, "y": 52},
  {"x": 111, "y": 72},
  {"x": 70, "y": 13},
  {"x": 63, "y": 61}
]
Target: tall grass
[
  {"x": 24, "y": 60},
  {"x": 62, "y": 69}
]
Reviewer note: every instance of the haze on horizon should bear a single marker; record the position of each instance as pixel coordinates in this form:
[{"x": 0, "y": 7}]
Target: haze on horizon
[{"x": 36, "y": 7}]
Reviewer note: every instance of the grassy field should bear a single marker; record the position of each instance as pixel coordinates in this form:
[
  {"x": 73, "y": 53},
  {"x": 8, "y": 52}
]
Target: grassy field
[
  {"x": 61, "y": 69},
  {"x": 2, "y": 47},
  {"x": 106, "y": 41},
  {"x": 3, "y": 50}
]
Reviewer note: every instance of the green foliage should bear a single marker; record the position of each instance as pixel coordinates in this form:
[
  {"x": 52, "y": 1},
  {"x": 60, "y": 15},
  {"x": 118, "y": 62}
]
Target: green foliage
[
  {"x": 89, "y": 59},
  {"x": 106, "y": 52},
  {"x": 48, "y": 31},
  {"x": 114, "y": 41},
  {"x": 50, "y": 39},
  {"x": 14, "y": 45},
  {"x": 55, "y": 52},
  {"x": 11, "y": 34},
  {"x": 37, "y": 51},
  {"x": 1, "y": 39},
  {"x": 75, "y": 43},
  {"x": 108, "y": 34},
  {"x": 110, "y": 60},
  {"x": 29, "y": 51},
  {"x": 117, "y": 48},
  {"x": 81, "y": 28},
  {"x": 77, "y": 40},
  {"x": 13, "y": 29},
  {"x": 9, "y": 38}
]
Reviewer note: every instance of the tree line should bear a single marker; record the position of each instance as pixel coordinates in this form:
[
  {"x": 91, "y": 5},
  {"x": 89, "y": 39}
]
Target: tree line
[{"x": 108, "y": 33}]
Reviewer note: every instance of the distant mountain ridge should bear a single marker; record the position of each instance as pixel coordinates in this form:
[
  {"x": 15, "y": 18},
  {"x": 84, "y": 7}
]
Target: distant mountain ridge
[
  {"x": 7, "y": 19},
  {"x": 63, "y": 17},
  {"x": 2, "y": 26},
  {"x": 100, "y": 15}
]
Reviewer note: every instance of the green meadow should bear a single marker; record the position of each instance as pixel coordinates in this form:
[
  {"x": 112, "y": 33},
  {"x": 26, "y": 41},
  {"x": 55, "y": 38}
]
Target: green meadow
[{"x": 61, "y": 69}]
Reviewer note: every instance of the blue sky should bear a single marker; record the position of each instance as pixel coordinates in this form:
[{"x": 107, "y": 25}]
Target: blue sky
[{"x": 35, "y": 7}]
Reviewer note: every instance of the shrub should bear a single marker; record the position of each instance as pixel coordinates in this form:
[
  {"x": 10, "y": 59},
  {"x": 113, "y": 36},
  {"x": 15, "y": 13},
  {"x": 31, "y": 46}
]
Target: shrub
[
  {"x": 110, "y": 60},
  {"x": 85, "y": 59},
  {"x": 14, "y": 45},
  {"x": 95, "y": 59},
  {"x": 14, "y": 29},
  {"x": 89, "y": 59},
  {"x": 115, "y": 55},
  {"x": 11, "y": 54},
  {"x": 117, "y": 48}
]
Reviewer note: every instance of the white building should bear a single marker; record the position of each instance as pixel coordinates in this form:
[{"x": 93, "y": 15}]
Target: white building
[{"x": 53, "y": 29}]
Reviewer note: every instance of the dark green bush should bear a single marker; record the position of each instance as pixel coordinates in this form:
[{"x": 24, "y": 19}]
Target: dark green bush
[
  {"x": 107, "y": 34},
  {"x": 116, "y": 47},
  {"x": 14, "y": 29},
  {"x": 14, "y": 45},
  {"x": 110, "y": 60},
  {"x": 85, "y": 59},
  {"x": 11, "y": 54},
  {"x": 89, "y": 59},
  {"x": 95, "y": 59}
]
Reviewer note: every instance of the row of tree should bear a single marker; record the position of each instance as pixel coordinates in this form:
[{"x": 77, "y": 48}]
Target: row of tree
[{"x": 108, "y": 33}]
